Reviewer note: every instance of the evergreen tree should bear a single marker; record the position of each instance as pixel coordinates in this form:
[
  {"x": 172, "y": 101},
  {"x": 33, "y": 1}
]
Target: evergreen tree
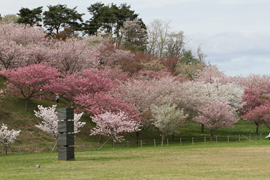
[
  {"x": 60, "y": 16},
  {"x": 30, "y": 17}
]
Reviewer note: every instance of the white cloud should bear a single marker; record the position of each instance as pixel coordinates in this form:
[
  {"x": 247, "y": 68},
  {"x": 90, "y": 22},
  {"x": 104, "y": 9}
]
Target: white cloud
[
  {"x": 236, "y": 53},
  {"x": 241, "y": 1}
]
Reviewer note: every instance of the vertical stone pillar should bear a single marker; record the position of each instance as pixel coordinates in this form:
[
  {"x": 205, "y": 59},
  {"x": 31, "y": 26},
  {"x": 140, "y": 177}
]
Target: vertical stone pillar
[{"x": 65, "y": 134}]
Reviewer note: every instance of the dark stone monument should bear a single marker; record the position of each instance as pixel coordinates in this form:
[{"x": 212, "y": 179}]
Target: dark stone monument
[{"x": 65, "y": 137}]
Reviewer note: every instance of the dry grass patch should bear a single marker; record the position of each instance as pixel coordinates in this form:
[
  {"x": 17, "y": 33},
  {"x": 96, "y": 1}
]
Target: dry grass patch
[{"x": 201, "y": 162}]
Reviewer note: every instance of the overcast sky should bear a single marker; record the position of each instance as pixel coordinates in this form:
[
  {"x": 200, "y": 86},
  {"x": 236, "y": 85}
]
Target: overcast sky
[{"x": 235, "y": 34}]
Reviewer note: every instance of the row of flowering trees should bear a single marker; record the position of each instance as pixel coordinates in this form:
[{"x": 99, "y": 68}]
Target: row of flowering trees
[
  {"x": 162, "y": 102},
  {"x": 140, "y": 102},
  {"x": 104, "y": 81}
]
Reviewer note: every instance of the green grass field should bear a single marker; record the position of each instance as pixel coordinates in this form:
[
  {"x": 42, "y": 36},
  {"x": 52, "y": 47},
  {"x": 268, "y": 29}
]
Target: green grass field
[{"x": 237, "y": 160}]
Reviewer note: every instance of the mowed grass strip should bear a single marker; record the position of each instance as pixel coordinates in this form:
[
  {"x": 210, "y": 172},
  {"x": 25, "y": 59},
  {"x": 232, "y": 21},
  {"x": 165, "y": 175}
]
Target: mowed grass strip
[{"x": 238, "y": 160}]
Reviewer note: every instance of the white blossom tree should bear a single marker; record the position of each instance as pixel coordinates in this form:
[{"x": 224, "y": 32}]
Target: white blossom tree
[
  {"x": 110, "y": 124},
  {"x": 228, "y": 91},
  {"x": 50, "y": 120},
  {"x": 167, "y": 119},
  {"x": 7, "y": 136}
]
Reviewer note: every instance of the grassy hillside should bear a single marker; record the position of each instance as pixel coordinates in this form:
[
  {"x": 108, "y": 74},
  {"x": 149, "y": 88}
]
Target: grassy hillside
[{"x": 13, "y": 114}]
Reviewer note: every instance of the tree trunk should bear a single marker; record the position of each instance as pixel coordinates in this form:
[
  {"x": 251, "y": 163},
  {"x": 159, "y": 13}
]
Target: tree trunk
[
  {"x": 212, "y": 134},
  {"x": 5, "y": 149},
  {"x": 257, "y": 127},
  {"x": 202, "y": 128},
  {"x": 113, "y": 144},
  {"x": 173, "y": 137},
  {"x": 137, "y": 137},
  {"x": 26, "y": 104},
  {"x": 100, "y": 138},
  {"x": 162, "y": 139}
]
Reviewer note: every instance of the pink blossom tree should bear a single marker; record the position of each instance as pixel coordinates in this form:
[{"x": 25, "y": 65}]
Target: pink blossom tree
[
  {"x": 220, "y": 86},
  {"x": 19, "y": 44},
  {"x": 208, "y": 74},
  {"x": 112, "y": 124},
  {"x": 7, "y": 136},
  {"x": 98, "y": 103},
  {"x": 256, "y": 107},
  {"x": 143, "y": 93},
  {"x": 11, "y": 54},
  {"x": 82, "y": 83},
  {"x": 22, "y": 34},
  {"x": 260, "y": 115},
  {"x": 216, "y": 114},
  {"x": 74, "y": 55},
  {"x": 258, "y": 82},
  {"x": 140, "y": 94},
  {"x": 27, "y": 81}
]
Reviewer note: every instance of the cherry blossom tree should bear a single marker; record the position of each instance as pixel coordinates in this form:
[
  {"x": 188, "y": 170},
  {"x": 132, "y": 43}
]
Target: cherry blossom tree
[
  {"x": 98, "y": 103},
  {"x": 11, "y": 54},
  {"x": 74, "y": 55},
  {"x": 49, "y": 122},
  {"x": 22, "y": 45},
  {"x": 167, "y": 119},
  {"x": 229, "y": 92},
  {"x": 36, "y": 53},
  {"x": 111, "y": 124},
  {"x": 209, "y": 73},
  {"x": 220, "y": 86},
  {"x": 216, "y": 114},
  {"x": 140, "y": 94},
  {"x": 256, "y": 107},
  {"x": 260, "y": 115},
  {"x": 17, "y": 43},
  {"x": 82, "y": 83},
  {"x": 7, "y": 136},
  {"x": 143, "y": 93},
  {"x": 27, "y": 81},
  {"x": 149, "y": 74},
  {"x": 258, "y": 82},
  {"x": 189, "y": 95},
  {"x": 22, "y": 34}
]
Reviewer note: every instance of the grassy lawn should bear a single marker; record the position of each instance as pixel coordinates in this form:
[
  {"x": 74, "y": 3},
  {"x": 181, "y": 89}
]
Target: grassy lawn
[{"x": 236, "y": 160}]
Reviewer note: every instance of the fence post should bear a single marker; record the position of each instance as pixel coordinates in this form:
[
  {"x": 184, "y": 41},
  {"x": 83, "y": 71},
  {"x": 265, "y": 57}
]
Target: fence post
[
  {"x": 127, "y": 144},
  {"x": 141, "y": 143},
  {"x": 180, "y": 141},
  {"x": 239, "y": 138},
  {"x": 192, "y": 141},
  {"x": 228, "y": 138},
  {"x": 36, "y": 149},
  {"x": 154, "y": 142},
  {"x": 204, "y": 140},
  {"x": 20, "y": 150},
  {"x": 216, "y": 139},
  {"x": 260, "y": 136},
  {"x": 167, "y": 142},
  {"x": 249, "y": 136}
]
